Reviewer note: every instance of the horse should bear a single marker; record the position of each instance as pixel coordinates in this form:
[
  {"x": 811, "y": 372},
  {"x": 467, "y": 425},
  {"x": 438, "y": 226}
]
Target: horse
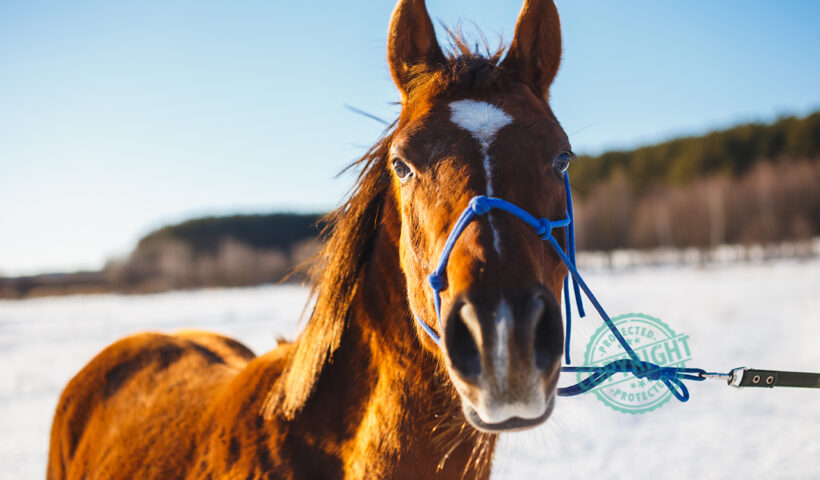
[{"x": 364, "y": 391}]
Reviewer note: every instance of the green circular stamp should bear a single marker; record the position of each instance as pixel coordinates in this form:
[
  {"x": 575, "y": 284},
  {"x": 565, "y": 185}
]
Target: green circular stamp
[{"x": 653, "y": 341}]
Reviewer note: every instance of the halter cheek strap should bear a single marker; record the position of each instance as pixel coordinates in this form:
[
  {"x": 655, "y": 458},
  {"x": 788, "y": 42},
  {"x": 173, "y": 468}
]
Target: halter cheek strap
[{"x": 482, "y": 205}]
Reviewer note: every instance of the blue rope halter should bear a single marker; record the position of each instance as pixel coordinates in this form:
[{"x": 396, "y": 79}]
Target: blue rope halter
[{"x": 481, "y": 205}]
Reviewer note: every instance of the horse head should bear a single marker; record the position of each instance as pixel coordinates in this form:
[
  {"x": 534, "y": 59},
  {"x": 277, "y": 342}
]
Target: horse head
[{"x": 477, "y": 125}]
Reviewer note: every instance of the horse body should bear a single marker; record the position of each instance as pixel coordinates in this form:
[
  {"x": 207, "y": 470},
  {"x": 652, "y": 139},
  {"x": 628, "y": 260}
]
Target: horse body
[{"x": 364, "y": 392}]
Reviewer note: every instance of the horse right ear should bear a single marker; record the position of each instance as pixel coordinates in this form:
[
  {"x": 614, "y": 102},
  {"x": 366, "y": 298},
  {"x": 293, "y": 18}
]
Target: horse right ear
[
  {"x": 535, "y": 53},
  {"x": 411, "y": 42}
]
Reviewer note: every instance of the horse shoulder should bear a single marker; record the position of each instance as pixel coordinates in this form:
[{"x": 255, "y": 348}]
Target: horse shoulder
[{"x": 238, "y": 441}]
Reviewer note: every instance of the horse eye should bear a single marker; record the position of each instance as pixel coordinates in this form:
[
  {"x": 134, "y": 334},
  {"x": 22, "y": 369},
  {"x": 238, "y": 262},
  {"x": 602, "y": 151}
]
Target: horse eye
[
  {"x": 561, "y": 162},
  {"x": 401, "y": 169}
]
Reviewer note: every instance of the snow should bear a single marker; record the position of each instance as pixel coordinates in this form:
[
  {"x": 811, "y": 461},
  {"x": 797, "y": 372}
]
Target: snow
[{"x": 764, "y": 315}]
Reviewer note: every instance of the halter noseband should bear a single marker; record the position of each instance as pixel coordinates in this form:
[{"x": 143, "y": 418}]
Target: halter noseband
[{"x": 481, "y": 205}]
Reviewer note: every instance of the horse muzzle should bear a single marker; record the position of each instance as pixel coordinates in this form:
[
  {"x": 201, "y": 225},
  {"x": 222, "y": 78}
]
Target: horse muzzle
[{"x": 504, "y": 357}]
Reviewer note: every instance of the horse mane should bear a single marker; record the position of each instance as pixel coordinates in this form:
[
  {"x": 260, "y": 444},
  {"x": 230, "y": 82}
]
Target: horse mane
[
  {"x": 348, "y": 237},
  {"x": 350, "y": 230}
]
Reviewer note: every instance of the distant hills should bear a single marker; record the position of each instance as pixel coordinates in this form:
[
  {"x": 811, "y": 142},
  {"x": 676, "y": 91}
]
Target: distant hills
[
  {"x": 219, "y": 251},
  {"x": 214, "y": 251},
  {"x": 754, "y": 184}
]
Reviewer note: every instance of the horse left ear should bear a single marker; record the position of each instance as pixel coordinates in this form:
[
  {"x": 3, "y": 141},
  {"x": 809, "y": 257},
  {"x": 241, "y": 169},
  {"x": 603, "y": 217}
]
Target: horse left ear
[
  {"x": 411, "y": 42},
  {"x": 535, "y": 52}
]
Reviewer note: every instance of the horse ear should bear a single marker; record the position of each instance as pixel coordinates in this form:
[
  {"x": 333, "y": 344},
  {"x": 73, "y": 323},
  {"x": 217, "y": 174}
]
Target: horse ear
[
  {"x": 535, "y": 52},
  {"x": 411, "y": 42}
]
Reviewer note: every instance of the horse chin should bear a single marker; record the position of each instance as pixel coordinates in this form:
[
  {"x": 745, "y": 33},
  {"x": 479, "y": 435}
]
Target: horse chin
[{"x": 513, "y": 424}]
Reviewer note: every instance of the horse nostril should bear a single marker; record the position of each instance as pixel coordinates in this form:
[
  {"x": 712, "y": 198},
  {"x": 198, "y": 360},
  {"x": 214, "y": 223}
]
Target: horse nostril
[
  {"x": 549, "y": 332},
  {"x": 461, "y": 336}
]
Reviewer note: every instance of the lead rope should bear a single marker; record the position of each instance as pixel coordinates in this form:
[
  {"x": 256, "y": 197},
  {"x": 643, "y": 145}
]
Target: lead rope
[{"x": 671, "y": 377}]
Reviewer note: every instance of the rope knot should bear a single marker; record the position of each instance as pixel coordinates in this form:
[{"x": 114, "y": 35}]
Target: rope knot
[
  {"x": 544, "y": 229},
  {"x": 480, "y": 205},
  {"x": 649, "y": 371},
  {"x": 436, "y": 281}
]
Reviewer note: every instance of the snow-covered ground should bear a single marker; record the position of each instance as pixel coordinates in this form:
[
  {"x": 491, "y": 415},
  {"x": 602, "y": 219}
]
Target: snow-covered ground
[{"x": 762, "y": 315}]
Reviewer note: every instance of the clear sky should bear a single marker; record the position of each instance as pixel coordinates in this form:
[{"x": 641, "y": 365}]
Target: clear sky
[{"x": 119, "y": 117}]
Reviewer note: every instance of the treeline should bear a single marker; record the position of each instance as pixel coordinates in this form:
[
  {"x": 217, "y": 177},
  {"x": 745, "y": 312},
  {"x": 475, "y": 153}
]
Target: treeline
[
  {"x": 771, "y": 203},
  {"x": 204, "y": 236},
  {"x": 730, "y": 152},
  {"x": 752, "y": 185}
]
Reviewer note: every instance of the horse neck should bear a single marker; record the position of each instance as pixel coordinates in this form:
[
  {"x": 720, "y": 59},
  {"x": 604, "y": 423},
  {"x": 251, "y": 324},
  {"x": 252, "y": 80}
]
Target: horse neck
[{"x": 408, "y": 412}]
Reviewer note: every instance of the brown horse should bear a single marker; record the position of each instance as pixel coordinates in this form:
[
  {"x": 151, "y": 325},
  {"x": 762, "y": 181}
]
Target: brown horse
[{"x": 363, "y": 392}]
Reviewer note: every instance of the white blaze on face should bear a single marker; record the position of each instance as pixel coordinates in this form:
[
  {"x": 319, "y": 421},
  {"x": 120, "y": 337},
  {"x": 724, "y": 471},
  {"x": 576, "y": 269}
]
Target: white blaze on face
[
  {"x": 483, "y": 121},
  {"x": 501, "y": 358}
]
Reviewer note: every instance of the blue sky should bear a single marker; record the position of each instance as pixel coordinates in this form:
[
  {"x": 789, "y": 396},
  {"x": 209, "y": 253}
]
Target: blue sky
[{"x": 119, "y": 117}]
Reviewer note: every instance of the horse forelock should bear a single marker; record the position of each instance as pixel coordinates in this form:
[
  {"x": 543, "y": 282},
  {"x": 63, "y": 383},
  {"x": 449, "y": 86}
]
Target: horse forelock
[{"x": 467, "y": 70}]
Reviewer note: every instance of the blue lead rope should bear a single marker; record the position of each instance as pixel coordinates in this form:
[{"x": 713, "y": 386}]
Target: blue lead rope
[{"x": 481, "y": 205}]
